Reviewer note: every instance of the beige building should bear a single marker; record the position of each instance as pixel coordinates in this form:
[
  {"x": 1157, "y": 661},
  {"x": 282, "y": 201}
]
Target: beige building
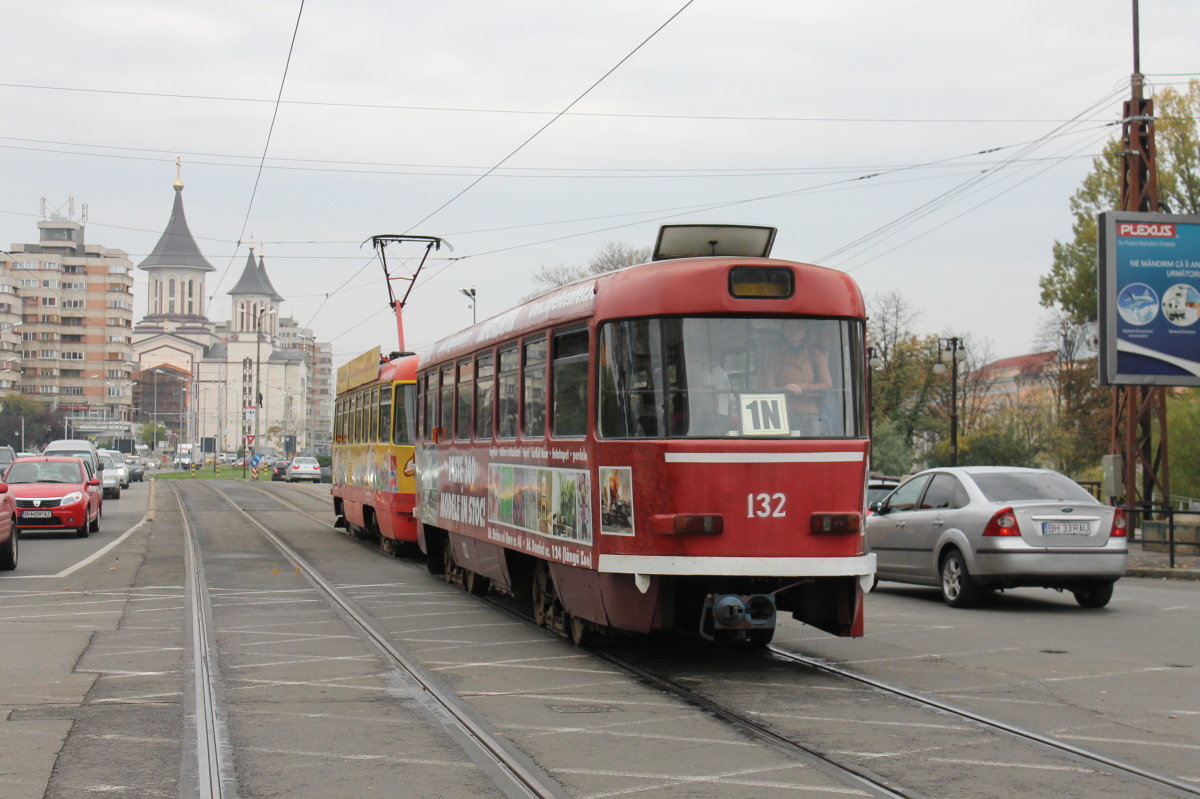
[
  {"x": 66, "y": 318},
  {"x": 258, "y": 379}
]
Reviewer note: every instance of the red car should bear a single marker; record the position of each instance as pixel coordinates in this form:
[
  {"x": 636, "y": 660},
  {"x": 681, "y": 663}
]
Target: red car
[
  {"x": 8, "y": 523},
  {"x": 55, "y": 493}
]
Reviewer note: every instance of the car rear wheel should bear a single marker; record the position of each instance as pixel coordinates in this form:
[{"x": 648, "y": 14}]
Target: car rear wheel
[
  {"x": 8, "y": 555},
  {"x": 1094, "y": 594},
  {"x": 957, "y": 589}
]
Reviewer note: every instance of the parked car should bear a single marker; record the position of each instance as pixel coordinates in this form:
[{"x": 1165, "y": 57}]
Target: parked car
[
  {"x": 118, "y": 459},
  {"x": 55, "y": 493},
  {"x": 110, "y": 477},
  {"x": 7, "y": 456},
  {"x": 9, "y": 535},
  {"x": 280, "y": 469},
  {"x": 978, "y": 528},
  {"x": 303, "y": 468},
  {"x": 77, "y": 447},
  {"x": 878, "y": 487},
  {"x": 137, "y": 469}
]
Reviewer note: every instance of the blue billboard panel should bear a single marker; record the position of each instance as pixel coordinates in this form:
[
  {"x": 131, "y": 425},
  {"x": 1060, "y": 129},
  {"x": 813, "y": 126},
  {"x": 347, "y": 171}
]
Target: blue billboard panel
[{"x": 1149, "y": 299}]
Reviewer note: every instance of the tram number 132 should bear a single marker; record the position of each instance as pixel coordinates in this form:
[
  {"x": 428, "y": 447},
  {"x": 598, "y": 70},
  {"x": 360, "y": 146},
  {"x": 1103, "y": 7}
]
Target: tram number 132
[{"x": 763, "y": 505}]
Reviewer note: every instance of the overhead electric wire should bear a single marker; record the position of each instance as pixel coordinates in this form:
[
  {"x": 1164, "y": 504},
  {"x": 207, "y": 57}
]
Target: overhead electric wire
[
  {"x": 533, "y": 112},
  {"x": 948, "y": 196},
  {"x": 266, "y": 146},
  {"x": 948, "y": 221},
  {"x": 527, "y": 141},
  {"x": 550, "y": 122}
]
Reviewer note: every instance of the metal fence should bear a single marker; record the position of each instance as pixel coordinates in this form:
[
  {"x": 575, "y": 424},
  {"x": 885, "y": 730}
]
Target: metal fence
[{"x": 1167, "y": 529}]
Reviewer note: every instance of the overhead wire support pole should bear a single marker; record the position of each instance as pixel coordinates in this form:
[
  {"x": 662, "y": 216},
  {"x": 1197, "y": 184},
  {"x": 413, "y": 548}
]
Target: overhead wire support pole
[
  {"x": 380, "y": 243},
  {"x": 1140, "y": 411}
]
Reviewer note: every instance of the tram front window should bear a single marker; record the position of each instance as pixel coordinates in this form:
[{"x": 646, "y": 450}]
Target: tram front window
[{"x": 730, "y": 377}]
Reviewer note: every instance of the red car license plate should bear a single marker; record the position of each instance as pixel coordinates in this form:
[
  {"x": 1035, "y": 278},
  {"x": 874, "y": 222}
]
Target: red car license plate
[{"x": 36, "y": 514}]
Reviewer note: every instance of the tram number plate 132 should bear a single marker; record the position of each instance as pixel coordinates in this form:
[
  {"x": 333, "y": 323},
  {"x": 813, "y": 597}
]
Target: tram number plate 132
[{"x": 764, "y": 414}]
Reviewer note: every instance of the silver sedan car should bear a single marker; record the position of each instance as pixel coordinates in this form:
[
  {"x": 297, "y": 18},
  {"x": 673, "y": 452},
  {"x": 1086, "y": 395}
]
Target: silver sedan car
[{"x": 977, "y": 528}]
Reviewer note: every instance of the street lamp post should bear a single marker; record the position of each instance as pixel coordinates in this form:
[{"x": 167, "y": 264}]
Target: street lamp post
[
  {"x": 951, "y": 351},
  {"x": 470, "y": 294},
  {"x": 258, "y": 318}
]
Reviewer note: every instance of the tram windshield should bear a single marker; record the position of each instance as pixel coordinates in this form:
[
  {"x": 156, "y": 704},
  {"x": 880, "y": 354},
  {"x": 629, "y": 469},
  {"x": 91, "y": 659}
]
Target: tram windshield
[{"x": 724, "y": 377}]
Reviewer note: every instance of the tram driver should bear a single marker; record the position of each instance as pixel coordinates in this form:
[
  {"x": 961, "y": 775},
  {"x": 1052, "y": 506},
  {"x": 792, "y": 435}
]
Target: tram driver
[{"x": 800, "y": 368}]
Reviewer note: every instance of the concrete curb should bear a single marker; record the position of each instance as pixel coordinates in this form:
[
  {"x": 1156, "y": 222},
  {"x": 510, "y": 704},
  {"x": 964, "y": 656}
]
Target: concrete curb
[{"x": 1156, "y": 573}]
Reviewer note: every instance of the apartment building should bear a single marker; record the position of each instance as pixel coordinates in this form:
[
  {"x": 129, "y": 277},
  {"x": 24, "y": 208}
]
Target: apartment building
[{"x": 66, "y": 321}]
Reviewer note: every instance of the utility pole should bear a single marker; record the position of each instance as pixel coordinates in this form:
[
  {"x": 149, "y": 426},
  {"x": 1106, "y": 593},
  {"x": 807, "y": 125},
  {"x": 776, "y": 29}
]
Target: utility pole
[{"x": 1138, "y": 411}]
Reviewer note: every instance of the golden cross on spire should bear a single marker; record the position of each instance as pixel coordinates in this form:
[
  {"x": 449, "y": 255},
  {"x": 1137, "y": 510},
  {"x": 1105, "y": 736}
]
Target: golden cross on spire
[{"x": 179, "y": 171}]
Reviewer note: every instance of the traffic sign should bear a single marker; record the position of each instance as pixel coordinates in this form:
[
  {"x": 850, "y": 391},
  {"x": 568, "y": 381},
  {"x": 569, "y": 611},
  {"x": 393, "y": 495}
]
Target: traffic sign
[{"x": 249, "y": 439}]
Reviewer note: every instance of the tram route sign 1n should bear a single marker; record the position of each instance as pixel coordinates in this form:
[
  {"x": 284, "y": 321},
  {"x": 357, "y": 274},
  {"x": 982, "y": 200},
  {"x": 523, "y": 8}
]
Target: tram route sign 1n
[{"x": 1149, "y": 286}]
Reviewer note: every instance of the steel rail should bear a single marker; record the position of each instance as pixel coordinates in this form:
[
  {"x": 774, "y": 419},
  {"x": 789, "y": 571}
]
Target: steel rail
[
  {"x": 1130, "y": 769},
  {"x": 211, "y": 736},
  {"x": 520, "y": 776},
  {"x": 841, "y": 770},
  {"x": 873, "y": 781}
]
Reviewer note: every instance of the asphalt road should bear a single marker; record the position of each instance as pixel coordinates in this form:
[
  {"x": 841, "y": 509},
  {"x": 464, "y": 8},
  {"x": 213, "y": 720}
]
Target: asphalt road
[{"x": 93, "y": 631}]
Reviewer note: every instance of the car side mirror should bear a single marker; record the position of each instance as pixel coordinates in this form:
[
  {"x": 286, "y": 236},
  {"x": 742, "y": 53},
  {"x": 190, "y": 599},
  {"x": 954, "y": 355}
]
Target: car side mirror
[
  {"x": 878, "y": 507},
  {"x": 94, "y": 481}
]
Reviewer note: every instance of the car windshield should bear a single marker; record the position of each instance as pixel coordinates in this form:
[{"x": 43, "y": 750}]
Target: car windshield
[
  {"x": 749, "y": 377},
  {"x": 26, "y": 472},
  {"x": 1012, "y": 486}
]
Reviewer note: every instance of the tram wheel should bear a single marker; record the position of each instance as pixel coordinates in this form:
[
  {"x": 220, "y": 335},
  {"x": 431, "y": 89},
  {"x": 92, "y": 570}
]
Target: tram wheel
[
  {"x": 541, "y": 595},
  {"x": 475, "y": 583},
  {"x": 581, "y": 631},
  {"x": 548, "y": 611},
  {"x": 449, "y": 567}
]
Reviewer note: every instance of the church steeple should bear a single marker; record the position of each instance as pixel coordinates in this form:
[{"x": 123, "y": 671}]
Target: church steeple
[
  {"x": 176, "y": 267},
  {"x": 253, "y": 296}
]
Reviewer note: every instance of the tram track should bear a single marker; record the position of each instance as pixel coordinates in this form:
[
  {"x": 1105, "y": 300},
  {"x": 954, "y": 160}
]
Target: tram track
[
  {"x": 515, "y": 773},
  {"x": 1097, "y": 758},
  {"x": 212, "y": 772},
  {"x": 841, "y": 766}
]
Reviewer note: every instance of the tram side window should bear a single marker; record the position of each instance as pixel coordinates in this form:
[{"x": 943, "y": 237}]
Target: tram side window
[
  {"x": 485, "y": 387},
  {"x": 510, "y": 361},
  {"x": 352, "y": 431},
  {"x": 631, "y": 398},
  {"x": 446, "y": 422},
  {"x": 373, "y": 415},
  {"x": 431, "y": 399},
  {"x": 385, "y": 413},
  {"x": 466, "y": 386},
  {"x": 404, "y": 420},
  {"x": 533, "y": 396},
  {"x": 569, "y": 380}
]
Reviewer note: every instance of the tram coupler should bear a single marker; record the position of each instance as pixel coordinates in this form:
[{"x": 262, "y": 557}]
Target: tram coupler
[{"x": 727, "y": 612}]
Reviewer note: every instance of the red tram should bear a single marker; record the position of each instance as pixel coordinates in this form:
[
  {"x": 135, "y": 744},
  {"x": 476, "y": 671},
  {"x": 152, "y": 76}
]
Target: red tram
[{"x": 676, "y": 445}]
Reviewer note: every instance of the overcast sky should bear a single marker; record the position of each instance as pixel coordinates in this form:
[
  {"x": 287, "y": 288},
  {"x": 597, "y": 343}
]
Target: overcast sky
[{"x": 928, "y": 148}]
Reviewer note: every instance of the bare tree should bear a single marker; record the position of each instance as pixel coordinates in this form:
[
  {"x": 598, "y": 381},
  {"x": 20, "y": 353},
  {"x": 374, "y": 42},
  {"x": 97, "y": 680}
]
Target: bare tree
[{"x": 611, "y": 255}]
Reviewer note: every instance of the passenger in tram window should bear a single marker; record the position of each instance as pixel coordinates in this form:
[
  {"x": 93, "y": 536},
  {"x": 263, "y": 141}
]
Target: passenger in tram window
[{"x": 801, "y": 369}]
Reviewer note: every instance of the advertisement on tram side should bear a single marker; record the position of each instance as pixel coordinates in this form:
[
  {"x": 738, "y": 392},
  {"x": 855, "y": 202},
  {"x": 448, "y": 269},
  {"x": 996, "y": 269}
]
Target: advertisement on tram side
[{"x": 541, "y": 510}]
